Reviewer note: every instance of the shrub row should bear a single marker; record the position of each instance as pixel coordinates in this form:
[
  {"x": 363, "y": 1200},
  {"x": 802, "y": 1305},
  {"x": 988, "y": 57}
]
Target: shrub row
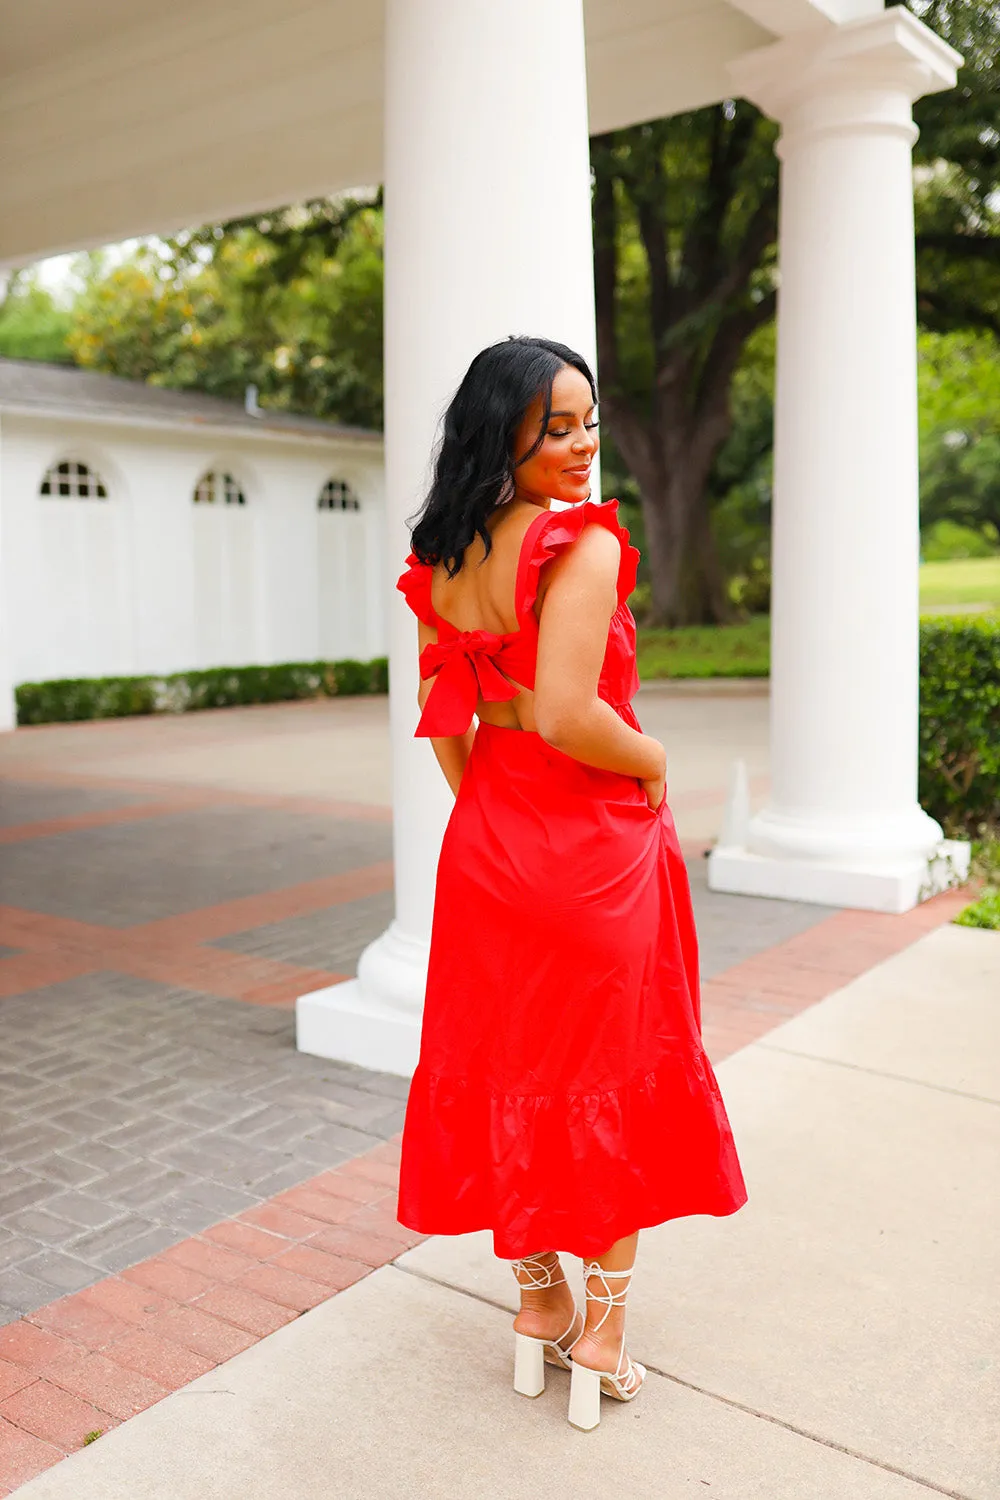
[
  {"x": 65, "y": 701},
  {"x": 959, "y": 708},
  {"x": 960, "y": 722}
]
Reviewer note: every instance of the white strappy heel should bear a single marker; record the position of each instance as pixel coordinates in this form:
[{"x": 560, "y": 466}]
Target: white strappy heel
[
  {"x": 530, "y": 1354},
  {"x": 586, "y": 1385}
]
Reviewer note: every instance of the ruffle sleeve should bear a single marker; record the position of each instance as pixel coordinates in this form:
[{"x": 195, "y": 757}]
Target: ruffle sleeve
[
  {"x": 414, "y": 583},
  {"x": 556, "y": 530}
]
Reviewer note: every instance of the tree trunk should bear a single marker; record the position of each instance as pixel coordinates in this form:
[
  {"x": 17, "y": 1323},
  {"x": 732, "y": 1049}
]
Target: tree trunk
[
  {"x": 670, "y": 459},
  {"x": 688, "y": 587}
]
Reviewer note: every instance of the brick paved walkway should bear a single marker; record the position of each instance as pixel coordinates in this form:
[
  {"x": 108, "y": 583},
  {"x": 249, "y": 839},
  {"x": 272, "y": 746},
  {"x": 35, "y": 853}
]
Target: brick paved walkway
[
  {"x": 155, "y": 1116},
  {"x": 141, "y": 1100}
]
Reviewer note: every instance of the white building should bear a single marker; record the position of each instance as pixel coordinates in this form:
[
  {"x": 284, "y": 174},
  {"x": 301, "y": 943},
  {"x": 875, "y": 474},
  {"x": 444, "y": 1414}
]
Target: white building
[
  {"x": 148, "y": 531},
  {"x": 122, "y": 118}
]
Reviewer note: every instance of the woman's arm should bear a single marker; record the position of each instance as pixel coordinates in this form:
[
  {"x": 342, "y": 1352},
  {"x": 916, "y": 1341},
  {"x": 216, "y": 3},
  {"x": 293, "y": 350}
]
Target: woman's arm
[
  {"x": 453, "y": 752},
  {"x": 579, "y": 599}
]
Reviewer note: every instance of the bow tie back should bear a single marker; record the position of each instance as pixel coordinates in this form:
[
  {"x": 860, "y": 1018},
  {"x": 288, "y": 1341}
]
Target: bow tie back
[{"x": 466, "y": 670}]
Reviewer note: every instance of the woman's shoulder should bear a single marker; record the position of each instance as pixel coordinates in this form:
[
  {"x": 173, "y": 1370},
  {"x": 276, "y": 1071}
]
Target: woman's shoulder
[
  {"x": 414, "y": 583},
  {"x": 558, "y": 532}
]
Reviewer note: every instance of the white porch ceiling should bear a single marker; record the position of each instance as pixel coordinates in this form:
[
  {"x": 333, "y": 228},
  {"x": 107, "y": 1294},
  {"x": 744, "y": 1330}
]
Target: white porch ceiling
[{"x": 123, "y": 117}]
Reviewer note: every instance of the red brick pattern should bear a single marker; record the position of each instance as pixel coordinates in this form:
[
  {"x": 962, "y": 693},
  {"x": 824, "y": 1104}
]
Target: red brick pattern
[
  {"x": 93, "y": 1359},
  {"x": 90, "y": 1360},
  {"x": 173, "y": 949},
  {"x": 21, "y": 833},
  {"x": 748, "y": 1000},
  {"x": 166, "y": 798}
]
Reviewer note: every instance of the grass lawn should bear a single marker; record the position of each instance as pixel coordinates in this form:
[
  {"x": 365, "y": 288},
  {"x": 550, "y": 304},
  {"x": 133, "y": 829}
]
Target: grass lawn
[
  {"x": 971, "y": 583},
  {"x": 967, "y": 585},
  {"x": 707, "y": 651}
]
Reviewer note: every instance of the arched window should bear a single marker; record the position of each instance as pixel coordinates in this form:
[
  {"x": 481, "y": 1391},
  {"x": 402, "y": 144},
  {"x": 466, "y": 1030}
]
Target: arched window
[
  {"x": 337, "y": 494},
  {"x": 72, "y": 480},
  {"x": 217, "y": 488}
]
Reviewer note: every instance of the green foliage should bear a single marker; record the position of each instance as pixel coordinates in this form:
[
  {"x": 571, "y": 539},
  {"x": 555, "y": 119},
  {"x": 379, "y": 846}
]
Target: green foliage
[
  {"x": 310, "y": 303},
  {"x": 740, "y": 484},
  {"x": 982, "y": 913},
  {"x": 949, "y": 541},
  {"x": 959, "y": 389},
  {"x": 129, "y": 319},
  {"x": 985, "y": 864},
  {"x": 32, "y": 324},
  {"x": 218, "y": 311},
  {"x": 960, "y": 722},
  {"x": 959, "y": 408},
  {"x": 349, "y": 678},
  {"x": 685, "y": 216},
  {"x": 958, "y": 165},
  {"x": 684, "y": 213},
  {"x": 959, "y": 702},
  {"x": 228, "y": 687},
  {"x": 68, "y": 700}
]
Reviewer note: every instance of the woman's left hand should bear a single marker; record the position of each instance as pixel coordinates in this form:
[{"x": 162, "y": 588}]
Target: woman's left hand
[{"x": 656, "y": 790}]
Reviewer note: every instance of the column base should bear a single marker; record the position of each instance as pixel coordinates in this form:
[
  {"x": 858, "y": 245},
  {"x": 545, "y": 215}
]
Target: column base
[
  {"x": 344, "y": 1023},
  {"x": 891, "y": 886},
  {"x": 374, "y": 1020}
]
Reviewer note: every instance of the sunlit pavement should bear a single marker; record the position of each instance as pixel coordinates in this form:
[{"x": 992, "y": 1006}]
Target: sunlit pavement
[{"x": 166, "y": 1194}]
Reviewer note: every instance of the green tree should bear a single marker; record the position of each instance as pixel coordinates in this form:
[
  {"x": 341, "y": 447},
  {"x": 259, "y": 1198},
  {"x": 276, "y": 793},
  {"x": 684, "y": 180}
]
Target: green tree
[
  {"x": 309, "y": 300},
  {"x": 685, "y": 214},
  {"x": 958, "y": 387},
  {"x": 33, "y": 325},
  {"x": 957, "y": 158},
  {"x": 225, "y": 307},
  {"x": 959, "y": 380},
  {"x": 129, "y": 317},
  {"x": 685, "y": 217}
]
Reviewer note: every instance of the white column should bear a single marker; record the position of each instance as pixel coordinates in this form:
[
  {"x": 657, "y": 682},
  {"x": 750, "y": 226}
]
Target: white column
[
  {"x": 487, "y": 187},
  {"x": 843, "y": 824},
  {"x": 8, "y": 707}
]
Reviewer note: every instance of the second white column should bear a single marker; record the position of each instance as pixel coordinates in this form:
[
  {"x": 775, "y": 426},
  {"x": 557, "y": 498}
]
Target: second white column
[
  {"x": 843, "y": 825},
  {"x": 487, "y": 189}
]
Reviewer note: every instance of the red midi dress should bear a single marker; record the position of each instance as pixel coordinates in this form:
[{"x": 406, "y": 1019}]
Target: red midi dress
[{"x": 563, "y": 1098}]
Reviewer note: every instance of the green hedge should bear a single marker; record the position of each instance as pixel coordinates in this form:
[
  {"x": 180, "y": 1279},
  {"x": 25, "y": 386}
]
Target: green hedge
[
  {"x": 959, "y": 707},
  {"x": 960, "y": 722},
  {"x": 221, "y": 687}
]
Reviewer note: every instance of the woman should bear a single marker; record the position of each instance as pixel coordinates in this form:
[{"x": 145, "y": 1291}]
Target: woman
[{"x": 562, "y": 1097}]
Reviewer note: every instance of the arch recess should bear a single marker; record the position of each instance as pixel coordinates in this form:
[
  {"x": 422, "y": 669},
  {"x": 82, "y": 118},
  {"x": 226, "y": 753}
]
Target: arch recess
[
  {"x": 337, "y": 494},
  {"x": 72, "y": 479},
  {"x": 218, "y": 487}
]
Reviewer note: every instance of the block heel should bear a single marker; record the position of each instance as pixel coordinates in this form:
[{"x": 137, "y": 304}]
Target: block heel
[
  {"x": 529, "y": 1365},
  {"x": 625, "y": 1381},
  {"x": 531, "y": 1355},
  {"x": 584, "y": 1398}
]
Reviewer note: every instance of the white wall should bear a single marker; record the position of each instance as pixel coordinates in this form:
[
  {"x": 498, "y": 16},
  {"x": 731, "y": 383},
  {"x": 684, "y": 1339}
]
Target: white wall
[{"x": 148, "y": 582}]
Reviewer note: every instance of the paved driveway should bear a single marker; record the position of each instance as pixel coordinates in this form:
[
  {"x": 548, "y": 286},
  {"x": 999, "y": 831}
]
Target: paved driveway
[{"x": 167, "y": 887}]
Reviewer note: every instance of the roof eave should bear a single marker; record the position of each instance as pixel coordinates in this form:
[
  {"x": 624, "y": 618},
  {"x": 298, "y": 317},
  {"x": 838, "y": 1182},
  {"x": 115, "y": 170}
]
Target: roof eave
[{"x": 337, "y": 436}]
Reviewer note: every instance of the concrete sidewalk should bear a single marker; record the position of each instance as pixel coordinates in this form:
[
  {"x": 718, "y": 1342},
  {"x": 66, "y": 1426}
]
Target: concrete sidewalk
[{"x": 834, "y": 1341}]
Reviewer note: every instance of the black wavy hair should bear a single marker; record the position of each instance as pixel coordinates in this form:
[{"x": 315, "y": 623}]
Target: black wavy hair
[{"x": 474, "y": 466}]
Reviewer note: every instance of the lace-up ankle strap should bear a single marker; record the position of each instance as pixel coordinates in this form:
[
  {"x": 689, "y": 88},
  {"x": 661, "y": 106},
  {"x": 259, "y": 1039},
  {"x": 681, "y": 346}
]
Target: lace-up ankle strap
[
  {"x": 540, "y": 1274},
  {"x": 608, "y": 1299}
]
